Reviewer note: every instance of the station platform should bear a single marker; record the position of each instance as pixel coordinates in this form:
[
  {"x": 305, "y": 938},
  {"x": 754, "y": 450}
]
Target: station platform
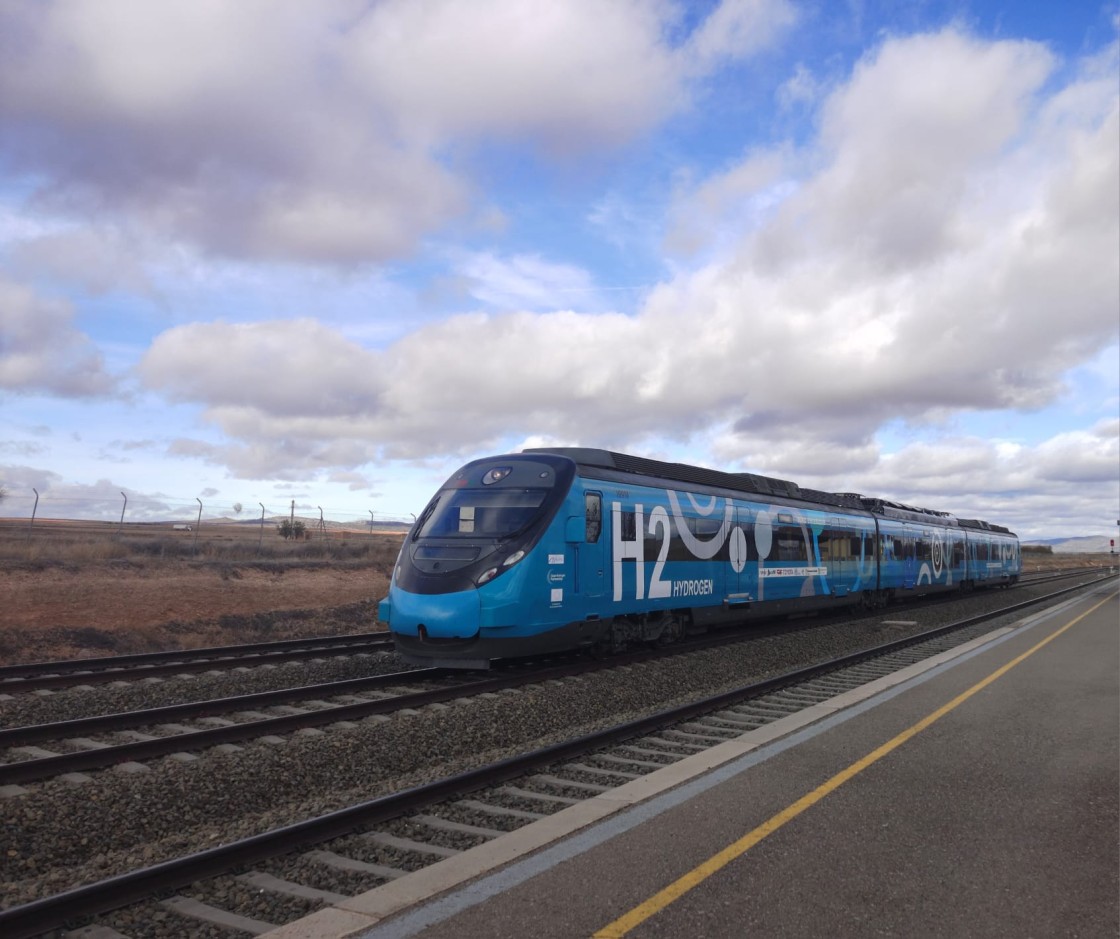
[{"x": 975, "y": 794}]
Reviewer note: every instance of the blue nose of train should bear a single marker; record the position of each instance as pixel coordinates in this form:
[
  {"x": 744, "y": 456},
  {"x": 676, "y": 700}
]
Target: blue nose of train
[{"x": 435, "y": 616}]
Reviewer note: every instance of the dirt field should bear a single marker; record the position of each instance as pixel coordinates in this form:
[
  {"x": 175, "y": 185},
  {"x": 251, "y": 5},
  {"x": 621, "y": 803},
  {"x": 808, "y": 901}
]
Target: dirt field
[{"x": 65, "y": 600}]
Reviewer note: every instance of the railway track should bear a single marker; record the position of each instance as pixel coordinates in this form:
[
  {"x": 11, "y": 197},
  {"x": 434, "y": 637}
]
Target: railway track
[
  {"x": 277, "y": 875},
  {"x": 70, "y": 673},
  {"x": 37, "y": 676},
  {"x": 129, "y": 739},
  {"x": 65, "y": 748}
]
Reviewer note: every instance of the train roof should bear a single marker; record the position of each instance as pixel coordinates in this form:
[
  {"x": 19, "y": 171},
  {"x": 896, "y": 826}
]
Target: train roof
[
  {"x": 761, "y": 485},
  {"x": 983, "y": 526},
  {"x": 681, "y": 472}
]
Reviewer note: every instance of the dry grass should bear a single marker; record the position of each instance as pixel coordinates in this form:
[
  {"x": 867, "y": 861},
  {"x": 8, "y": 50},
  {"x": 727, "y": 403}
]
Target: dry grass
[
  {"x": 80, "y": 589},
  {"x": 52, "y": 541}
]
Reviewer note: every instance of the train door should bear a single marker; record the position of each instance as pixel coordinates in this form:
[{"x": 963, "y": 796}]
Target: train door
[
  {"x": 909, "y": 561},
  {"x": 955, "y": 558},
  {"x": 983, "y": 552},
  {"x": 835, "y": 545},
  {"x": 590, "y": 567},
  {"x": 743, "y": 585}
]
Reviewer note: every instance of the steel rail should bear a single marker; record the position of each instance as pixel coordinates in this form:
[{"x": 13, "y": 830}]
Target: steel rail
[
  {"x": 191, "y": 665},
  {"x": 31, "y": 734},
  {"x": 38, "y": 768},
  {"x": 48, "y": 913},
  {"x": 43, "y": 767},
  {"x": 138, "y": 658}
]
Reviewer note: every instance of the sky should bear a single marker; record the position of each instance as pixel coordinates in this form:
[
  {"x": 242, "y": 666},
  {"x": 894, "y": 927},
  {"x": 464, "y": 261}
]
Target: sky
[{"x": 268, "y": 253}]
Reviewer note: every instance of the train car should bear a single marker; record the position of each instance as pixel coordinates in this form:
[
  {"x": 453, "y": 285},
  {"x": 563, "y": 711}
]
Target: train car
[{"x": 558, "y": 549}]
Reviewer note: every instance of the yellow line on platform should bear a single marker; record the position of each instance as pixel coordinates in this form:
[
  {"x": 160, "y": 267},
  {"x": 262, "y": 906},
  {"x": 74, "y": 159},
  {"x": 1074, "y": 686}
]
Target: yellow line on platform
[{"x": 624, "y": 924}]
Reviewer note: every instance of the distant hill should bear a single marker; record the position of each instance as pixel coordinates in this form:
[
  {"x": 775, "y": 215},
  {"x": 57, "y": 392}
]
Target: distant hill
[{"x": 1094, "y": 544}]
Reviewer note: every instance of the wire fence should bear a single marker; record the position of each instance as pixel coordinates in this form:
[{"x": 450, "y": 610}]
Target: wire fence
[{"x": 135, "y": 523}]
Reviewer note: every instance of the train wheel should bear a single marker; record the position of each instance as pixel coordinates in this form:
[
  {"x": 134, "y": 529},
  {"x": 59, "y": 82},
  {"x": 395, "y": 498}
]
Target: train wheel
[{"x": 671, "y": 631}]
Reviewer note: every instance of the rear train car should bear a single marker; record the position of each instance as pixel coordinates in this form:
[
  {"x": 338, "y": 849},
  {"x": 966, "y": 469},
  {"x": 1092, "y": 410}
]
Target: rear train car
[{"x": 566, "y": 548}]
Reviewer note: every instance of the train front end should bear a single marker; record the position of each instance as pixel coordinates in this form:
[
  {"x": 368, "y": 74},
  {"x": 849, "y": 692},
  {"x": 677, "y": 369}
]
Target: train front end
[{"x": 462, "y": 592}]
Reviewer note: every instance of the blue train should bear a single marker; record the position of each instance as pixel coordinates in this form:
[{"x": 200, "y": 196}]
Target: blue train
[{"x": 566, "y": 548}]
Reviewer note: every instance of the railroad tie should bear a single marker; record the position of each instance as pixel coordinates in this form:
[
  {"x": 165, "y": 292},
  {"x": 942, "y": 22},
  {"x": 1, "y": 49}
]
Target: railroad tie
[
  {"x": 500, "y": 810},
  {"x": 95, "y": 932},
  {"x": 289, "y": 888},
  {"x": 443, "y": 824},
  {"x": 520, "y": 793},
  {"x": 625, "y": 761},
  {"x": 407, "y": 844},
  {"x": 601, "y": 771},
  {"x": 570, "y": 784},
  {"x": 196, "y": 909},
  {"x": 342, "y": 863}
]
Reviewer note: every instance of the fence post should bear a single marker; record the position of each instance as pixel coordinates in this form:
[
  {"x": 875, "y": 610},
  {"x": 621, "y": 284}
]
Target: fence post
[
  {"x": 260, "y": 540},
  {"x": 123, "y": 507},
  {"x": 197, "y": 524},
  {"x": 34, "y": 509}
]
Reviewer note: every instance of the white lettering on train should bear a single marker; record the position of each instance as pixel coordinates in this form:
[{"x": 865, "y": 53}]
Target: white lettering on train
[{"x": 694, "y": 588}]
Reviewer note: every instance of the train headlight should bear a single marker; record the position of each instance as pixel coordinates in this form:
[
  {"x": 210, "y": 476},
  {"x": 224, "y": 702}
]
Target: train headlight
[{"x": 491, "y": 572}]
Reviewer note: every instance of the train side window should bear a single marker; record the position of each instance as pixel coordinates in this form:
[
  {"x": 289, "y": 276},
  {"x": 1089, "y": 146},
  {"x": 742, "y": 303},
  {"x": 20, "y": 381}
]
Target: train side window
[
  {"x": 789, "y": 544},
  {"x": 594, "y": 510},
  {"x": 836, "y": 545}
]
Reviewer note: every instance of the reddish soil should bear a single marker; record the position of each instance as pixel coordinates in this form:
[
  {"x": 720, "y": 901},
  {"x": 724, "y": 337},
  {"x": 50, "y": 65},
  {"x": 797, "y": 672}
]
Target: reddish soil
[{"x": 114, "y": 607}]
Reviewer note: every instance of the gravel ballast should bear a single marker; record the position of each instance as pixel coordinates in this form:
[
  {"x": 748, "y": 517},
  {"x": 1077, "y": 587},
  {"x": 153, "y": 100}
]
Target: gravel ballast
[{"x": 59, "y": 834}]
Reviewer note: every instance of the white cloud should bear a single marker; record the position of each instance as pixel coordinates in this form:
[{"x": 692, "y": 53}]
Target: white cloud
[
  {"x": 800, "y": 88},
  {"x": 1082, "y": 456},
  {"x": 291, "y": 369},
  {"x": 737, "y": 28},
  {"x": 41, "y": 351},
  {"x": 922, "y": 258},
  {"x": 325, "y": 132},
  {"x": 97, "y": 260},
  {"x": 526, "y": 282},
  {"x": 576, "y": 74}
]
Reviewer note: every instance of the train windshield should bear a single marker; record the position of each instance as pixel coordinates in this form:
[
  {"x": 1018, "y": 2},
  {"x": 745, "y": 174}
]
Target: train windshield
[{"x": 476, "y": 513}]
